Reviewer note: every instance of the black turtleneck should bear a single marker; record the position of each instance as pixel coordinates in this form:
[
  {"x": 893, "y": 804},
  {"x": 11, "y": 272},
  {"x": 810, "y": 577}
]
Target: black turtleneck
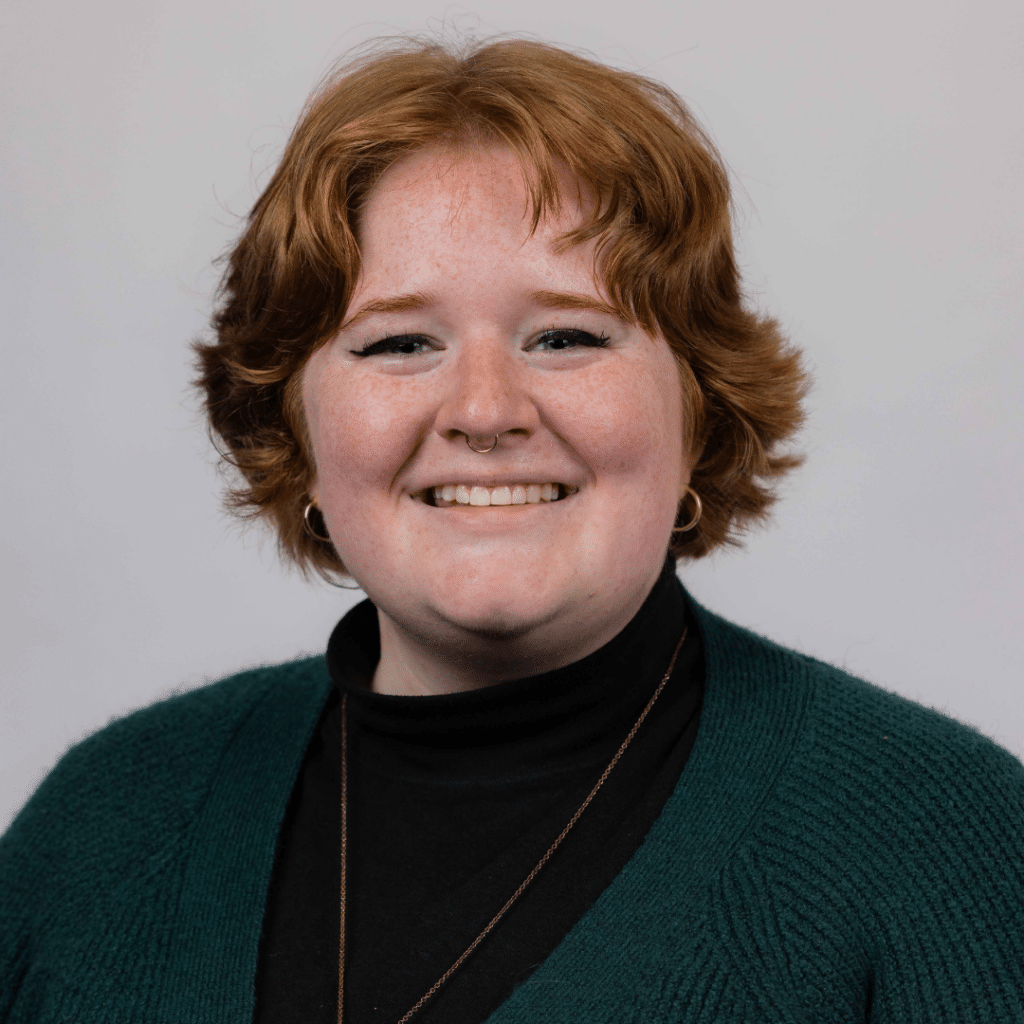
[{"x": 452, "y": 800}]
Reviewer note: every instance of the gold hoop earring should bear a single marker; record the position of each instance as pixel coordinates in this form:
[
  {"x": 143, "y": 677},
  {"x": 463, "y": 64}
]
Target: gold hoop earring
[
  {"x": 309, "y": 528},
  {"x": 697, "y": 513}
]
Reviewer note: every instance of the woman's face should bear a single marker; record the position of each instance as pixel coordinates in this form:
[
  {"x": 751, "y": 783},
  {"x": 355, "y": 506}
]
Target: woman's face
[{"x": 463, "y": 325}]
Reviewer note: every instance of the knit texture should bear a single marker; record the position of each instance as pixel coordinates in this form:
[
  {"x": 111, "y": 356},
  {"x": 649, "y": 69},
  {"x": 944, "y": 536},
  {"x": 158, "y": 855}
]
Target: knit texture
[{"x": 832, "y": 853}]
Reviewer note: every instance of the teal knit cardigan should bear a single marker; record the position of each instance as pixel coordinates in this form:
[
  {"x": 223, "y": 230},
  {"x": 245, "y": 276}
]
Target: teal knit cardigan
[{"x": 831, "y": 853}]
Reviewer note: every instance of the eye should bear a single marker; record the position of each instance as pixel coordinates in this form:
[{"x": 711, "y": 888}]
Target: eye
[
  {"x": 563, "y": 339},
  {"x": 394, "y": 345}
]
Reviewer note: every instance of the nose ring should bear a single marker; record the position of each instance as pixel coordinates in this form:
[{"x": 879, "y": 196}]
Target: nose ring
[{"x": 482, "y": 451}]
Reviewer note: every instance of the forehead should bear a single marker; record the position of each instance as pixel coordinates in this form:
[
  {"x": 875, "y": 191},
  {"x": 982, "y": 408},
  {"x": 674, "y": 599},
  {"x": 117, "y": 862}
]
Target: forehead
[{"x": 439, "y": 203}]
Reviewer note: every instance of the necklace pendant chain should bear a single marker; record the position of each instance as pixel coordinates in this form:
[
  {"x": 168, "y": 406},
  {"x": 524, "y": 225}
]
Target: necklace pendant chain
[{"x": 492, "y": 924}]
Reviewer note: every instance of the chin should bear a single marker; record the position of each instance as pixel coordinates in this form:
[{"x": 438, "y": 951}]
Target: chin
[
  {"x": 478, "y": 607},
  {"x": 497, "y": 626}
]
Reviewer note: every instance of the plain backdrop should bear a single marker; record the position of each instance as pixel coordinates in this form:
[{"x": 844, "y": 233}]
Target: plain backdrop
[{"x": 877, "y": 155}]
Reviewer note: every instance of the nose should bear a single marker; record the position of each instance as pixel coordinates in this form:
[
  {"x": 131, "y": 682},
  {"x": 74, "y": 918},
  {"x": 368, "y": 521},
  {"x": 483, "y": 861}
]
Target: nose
[{"x": 486, "y": 396}]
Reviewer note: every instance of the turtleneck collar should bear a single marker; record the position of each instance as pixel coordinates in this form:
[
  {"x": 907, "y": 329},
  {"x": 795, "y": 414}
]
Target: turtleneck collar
[{"x": 543, "y": 723}]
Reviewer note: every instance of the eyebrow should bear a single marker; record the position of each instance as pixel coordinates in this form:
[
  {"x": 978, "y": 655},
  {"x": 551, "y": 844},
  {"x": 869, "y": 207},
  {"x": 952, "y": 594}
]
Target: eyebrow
[
  {"x": 571, "y": 300},
  {"x": 396, "y": 304},
  {"x": 422, "y": 300}
]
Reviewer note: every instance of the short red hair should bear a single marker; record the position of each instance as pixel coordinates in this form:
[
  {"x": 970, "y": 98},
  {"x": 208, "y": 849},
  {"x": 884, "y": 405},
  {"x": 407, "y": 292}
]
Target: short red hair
[{"x": 665, "y": 257}]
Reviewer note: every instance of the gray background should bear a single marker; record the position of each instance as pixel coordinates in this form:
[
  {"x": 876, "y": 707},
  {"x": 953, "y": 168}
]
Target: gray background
[{"x": 877, "y": 152}]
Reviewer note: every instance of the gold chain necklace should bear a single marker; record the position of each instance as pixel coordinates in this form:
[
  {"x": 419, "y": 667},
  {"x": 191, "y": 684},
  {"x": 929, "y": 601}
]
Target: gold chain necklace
[{"x": 526, "y": 881}]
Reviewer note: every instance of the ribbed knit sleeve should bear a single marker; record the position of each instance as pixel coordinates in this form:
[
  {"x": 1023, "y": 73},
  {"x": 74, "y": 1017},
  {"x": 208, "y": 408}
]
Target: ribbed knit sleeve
[
  {"x": 886, "y": 874},
  {"x": 93, "y": 868}
]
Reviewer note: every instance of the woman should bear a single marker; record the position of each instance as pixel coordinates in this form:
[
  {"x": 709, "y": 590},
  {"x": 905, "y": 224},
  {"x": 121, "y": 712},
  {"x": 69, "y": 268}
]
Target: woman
[{"x": 482, "y": 349}]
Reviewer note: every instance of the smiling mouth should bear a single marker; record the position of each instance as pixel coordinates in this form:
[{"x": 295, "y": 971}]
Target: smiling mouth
[{"x": 453, "y": 495}]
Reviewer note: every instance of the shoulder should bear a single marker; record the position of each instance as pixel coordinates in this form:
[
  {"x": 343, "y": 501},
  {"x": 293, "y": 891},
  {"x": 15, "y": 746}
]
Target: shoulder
[
  {"x": 140, "y": 779},
  {"x": 112, "y": 827},
  {"x": 185, "y": 733},
  {"x": 875, "y": 835},
  {"x": 873, "y": 776},
  {"x": 909, "y": 768},
  {"x": 860, "y": 721}
]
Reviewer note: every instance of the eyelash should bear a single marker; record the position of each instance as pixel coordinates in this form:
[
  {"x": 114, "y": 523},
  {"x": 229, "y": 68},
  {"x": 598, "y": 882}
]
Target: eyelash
[
  {"x": 585, "y": 338},
  {"x": 391, "y": 344}
]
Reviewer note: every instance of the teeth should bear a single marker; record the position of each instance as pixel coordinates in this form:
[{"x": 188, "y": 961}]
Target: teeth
[{"x": 517, "y": 494}]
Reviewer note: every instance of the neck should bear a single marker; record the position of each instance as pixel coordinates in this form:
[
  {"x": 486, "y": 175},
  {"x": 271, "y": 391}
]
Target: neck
[{"x": 441, "y": 657}]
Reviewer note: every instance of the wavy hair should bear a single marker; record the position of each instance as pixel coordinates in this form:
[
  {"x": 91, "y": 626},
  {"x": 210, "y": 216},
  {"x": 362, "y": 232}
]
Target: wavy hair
[{"x": 664, "y": 238}]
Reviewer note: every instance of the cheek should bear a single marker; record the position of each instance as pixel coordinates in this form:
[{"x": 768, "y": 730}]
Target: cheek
[
  {"x": 359, "y": 428},
  {"x": 627, "y": 423}
]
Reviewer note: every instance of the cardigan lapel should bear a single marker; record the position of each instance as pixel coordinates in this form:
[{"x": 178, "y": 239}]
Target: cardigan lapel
[
  {"x": 230, "y": 853},
  {"x": 644, "y": 950}
]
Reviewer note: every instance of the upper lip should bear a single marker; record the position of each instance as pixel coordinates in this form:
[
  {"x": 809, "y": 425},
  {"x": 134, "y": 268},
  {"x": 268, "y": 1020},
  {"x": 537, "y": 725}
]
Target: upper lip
[{"x": 490, "y": 479}]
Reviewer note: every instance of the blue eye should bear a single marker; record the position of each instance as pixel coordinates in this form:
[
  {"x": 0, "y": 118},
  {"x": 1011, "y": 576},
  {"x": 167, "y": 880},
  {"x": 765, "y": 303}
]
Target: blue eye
[
  {"x": 394, "y": 345},
  {"x": 562, "y": 340}
]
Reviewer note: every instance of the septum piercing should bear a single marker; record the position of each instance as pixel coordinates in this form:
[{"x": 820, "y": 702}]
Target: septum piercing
[{"x": 482, "y": 451}]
